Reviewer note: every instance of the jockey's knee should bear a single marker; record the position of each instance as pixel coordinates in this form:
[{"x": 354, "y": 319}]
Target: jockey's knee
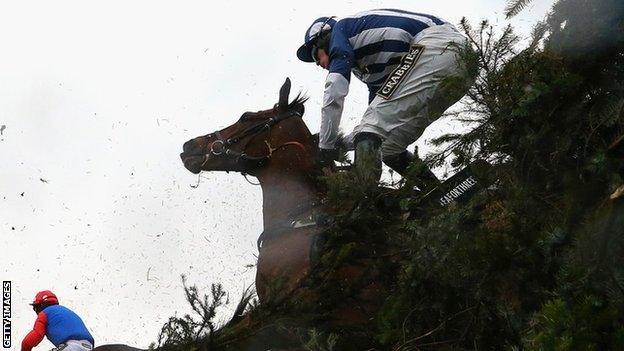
[
  {"x": 373, "y": 137},
  {"x": 391, "y": 147}
]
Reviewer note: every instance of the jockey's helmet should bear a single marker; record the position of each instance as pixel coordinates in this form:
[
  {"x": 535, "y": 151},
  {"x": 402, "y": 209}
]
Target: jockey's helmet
[
  {"x": 317, "y": 36},
  {"x": 45, "y": 297}
]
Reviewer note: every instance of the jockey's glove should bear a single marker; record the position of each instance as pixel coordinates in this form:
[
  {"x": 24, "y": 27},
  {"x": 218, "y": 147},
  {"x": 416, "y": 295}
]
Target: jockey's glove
[{"x": 326, "y": 157}]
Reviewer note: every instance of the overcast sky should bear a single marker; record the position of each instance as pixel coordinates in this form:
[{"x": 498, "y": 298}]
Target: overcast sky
[{"x": 98, "y": 98}]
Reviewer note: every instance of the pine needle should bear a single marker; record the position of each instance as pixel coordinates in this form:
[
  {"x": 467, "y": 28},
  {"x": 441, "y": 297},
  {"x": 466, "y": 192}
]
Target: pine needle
[
  {"x": 514, "y": 7},
  {"x": 538, "y": 33}
]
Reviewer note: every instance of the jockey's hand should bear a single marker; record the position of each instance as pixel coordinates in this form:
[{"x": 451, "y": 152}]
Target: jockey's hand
[{"x": 326, "y": 157}]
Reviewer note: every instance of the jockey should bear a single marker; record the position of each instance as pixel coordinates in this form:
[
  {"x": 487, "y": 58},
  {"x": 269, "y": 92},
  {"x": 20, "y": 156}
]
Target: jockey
[
  {"x": 63, "y": 327},
  {"x": 403, "y": 57}
]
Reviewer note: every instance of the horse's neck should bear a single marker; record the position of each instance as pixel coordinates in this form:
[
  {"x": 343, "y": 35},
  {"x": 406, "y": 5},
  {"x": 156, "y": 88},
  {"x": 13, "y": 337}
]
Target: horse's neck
[{"x": 283, "y": 196}]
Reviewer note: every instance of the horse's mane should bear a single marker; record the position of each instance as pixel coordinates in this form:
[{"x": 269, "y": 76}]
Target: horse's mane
[
  {"x": 295, "y": 105},
  {"x": 298, "y": 102}
]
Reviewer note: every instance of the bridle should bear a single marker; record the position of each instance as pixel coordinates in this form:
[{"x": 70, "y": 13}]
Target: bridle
[{"x": 222, "y": 147}]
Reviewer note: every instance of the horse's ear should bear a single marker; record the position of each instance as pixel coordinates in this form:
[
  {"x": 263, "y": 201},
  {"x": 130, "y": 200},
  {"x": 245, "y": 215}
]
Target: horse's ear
[{"x": 283, "y": 95}]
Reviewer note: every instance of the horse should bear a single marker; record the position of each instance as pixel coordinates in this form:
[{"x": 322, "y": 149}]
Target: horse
[{"x": 276, "y": 147}]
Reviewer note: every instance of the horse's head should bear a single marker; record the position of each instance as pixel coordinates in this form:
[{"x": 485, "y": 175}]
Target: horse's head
[{"x": 249, "y": 144}]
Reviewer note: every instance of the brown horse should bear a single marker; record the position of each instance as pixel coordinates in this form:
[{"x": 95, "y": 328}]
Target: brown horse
[{"x": 275, "y": 146}]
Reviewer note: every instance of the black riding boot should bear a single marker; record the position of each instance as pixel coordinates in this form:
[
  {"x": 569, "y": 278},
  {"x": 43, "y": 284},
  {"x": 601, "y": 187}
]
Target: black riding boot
[
  {"x": 368, "y": 157},
  {"x": 399, "y": 162},
  {"x": 424, "y": 178}
]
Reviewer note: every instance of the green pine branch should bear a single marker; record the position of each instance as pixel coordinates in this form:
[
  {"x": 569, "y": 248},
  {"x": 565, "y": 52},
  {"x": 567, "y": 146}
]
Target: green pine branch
[{"x": 514, "y": 7}]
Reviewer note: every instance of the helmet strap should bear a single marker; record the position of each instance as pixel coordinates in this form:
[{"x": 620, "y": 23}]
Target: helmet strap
[{"x": 323, "y": 40}]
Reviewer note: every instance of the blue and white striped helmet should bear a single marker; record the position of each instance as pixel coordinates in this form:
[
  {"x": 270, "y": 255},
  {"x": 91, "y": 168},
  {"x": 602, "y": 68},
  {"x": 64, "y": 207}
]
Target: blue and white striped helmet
[{"x": 322, "y": 24}]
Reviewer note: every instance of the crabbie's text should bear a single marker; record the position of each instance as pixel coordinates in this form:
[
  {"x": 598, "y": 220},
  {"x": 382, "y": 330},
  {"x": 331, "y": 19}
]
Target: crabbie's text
[{"x": 397, "y": 76}]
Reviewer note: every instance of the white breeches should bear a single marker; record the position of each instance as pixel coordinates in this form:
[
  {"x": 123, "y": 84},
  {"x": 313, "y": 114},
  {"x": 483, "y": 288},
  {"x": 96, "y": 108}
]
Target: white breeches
[
  {"x": 419, "y": 99},
  {"x": 75, "y": 345}
]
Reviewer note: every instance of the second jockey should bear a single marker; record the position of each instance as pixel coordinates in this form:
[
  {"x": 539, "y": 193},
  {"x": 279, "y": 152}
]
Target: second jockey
[{"x": 62, "y": 326}]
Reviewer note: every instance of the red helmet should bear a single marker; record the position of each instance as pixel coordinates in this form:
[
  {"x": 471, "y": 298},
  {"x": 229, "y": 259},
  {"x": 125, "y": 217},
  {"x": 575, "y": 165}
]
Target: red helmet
[{"x": 45, "y": 296}]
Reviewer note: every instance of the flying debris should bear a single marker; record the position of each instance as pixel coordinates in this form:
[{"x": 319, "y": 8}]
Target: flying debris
[
  {"x": 2, "y": 128},
  {"x": 43, "y": 180}
]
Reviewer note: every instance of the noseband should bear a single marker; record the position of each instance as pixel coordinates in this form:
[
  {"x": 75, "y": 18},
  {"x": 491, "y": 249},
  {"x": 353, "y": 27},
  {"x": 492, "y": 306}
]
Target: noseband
[{"x": 222, "y": 147}]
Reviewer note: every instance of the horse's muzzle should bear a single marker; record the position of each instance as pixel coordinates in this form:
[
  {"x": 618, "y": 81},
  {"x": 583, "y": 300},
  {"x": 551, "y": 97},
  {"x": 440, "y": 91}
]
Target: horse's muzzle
[
  {"x": 193, "y": 162},
  {"x": 193, "y": 156},
  {"x": 191, "y": 147}
]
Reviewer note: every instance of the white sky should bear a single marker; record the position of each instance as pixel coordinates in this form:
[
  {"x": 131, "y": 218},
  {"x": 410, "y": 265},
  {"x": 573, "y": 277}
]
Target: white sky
[{"x": 97, "y": 99}]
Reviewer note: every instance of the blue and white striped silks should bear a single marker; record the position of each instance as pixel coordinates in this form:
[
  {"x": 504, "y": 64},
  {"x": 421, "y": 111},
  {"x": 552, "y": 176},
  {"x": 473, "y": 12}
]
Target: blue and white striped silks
[{"x": 370, "y": 44}]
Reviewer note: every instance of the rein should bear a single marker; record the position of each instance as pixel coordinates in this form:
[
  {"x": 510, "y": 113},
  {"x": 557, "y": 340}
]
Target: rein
[{"x": 222, "y": 147}]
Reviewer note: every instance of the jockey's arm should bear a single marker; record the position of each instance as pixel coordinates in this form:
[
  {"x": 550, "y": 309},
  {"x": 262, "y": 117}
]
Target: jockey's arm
[
  {"x": 37, "y": 334},
  {"x": 336, "y": 88}
]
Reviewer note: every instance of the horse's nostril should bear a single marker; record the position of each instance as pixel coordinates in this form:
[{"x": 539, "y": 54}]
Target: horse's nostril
[{"x": 188, "y": 146}]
